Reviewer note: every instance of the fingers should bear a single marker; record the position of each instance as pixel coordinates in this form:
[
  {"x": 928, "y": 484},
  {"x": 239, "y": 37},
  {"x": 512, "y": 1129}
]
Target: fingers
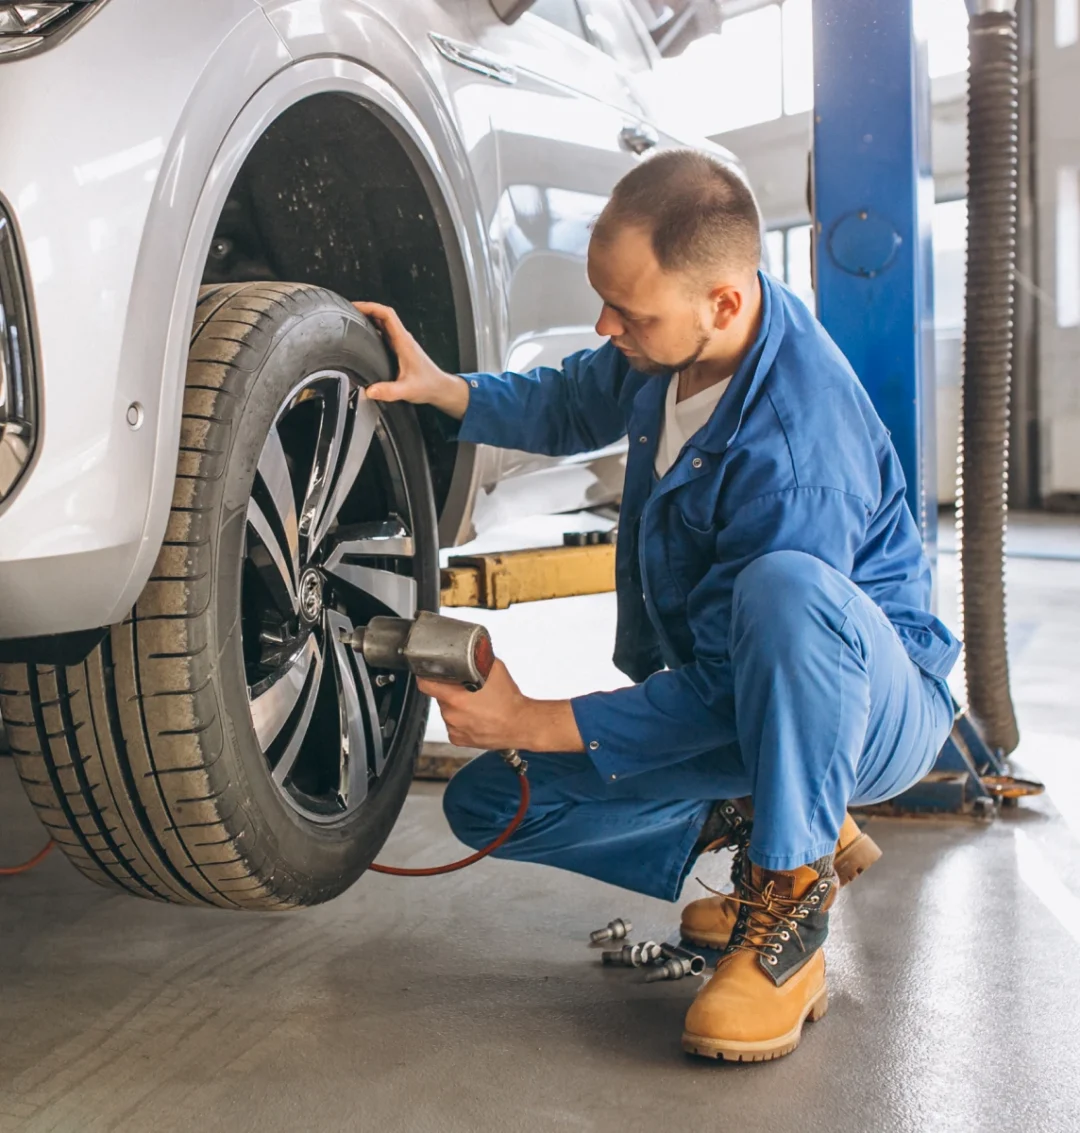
[
  {"x": 384, "y": 391},
  {"x": 445, "y": 692},
  {"x": 388, "y": 320}
]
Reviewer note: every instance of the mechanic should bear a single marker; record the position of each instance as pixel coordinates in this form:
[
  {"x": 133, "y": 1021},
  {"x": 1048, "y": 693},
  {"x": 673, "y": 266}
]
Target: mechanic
[{"x": 773, "y": 602}]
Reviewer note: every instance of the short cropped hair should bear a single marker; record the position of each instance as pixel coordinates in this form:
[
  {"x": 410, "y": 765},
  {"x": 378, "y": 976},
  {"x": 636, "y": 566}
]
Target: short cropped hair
[{"x": 700, "y": 213}]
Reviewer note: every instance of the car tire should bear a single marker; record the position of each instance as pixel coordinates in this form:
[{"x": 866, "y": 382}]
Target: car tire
[{"x": 222, "y": 746}]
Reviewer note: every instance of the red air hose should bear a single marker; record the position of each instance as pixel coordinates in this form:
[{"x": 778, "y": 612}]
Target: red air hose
[
  {"x": 502, "y": 839},
  {"x": 15, "y": 870},
  {"x": 395, "y": 871},
  {"x": 430, "y": 871}
]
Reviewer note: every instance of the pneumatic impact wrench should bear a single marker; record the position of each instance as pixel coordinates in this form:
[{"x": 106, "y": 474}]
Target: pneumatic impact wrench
[{"x": 435, "y": 648}]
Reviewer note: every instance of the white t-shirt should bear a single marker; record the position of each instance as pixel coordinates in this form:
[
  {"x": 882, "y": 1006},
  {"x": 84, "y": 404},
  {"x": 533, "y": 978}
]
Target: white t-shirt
[{"x": 682, "y": 419}]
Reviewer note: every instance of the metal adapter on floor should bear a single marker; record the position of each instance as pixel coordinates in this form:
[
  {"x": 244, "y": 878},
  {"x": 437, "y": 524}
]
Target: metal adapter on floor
[
  {"x": 617, "y": 929},
  {"x": 436, "y": 648},
  {"x": 675, "y": 969},
  {"x": 634, "y": 955}
]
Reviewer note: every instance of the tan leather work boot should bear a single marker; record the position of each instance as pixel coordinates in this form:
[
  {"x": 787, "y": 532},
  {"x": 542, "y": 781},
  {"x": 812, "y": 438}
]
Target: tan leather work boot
[
  {"x": 709, "y": 920},
  {"x": 772, "y": 978}
]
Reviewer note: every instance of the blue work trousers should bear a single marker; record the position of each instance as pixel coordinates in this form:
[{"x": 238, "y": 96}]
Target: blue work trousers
[{"x": 829, "y": 711}]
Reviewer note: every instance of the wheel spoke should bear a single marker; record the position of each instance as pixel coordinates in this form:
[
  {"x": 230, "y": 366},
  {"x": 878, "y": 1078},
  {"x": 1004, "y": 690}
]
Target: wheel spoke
[
  {"x": 274, "y": 473},
  {"x": 352, "y": 452},
  {"x": 269, "y": 557},
  {"x": 353, "y": 775},
  {"x": 395, "y": 591},
  {"x": 271, "y": 709},
  {"x": 287, "y": 759},
  {"x": 389, "y": 539},
  {"x": 335, "y": 408}
]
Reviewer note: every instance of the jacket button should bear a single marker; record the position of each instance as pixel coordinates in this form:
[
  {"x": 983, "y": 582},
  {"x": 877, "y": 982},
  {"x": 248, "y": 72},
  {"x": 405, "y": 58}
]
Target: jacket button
[
  {"x": 475, "y": 384},
  {"x": 696, "y": 462},
  {"x": 593, "y": 745},
  {"x": 642, "y": 440}
]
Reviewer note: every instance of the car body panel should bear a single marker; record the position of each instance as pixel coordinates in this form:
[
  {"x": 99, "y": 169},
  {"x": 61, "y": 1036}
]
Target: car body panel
[{"x": 115, "y": 206}]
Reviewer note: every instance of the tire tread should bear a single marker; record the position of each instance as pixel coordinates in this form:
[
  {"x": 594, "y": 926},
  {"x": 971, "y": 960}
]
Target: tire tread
[{"x": 115, "y": 753}]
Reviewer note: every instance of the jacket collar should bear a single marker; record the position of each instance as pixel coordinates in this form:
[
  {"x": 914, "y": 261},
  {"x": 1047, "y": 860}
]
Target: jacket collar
[{"x": 727, "y": 418}]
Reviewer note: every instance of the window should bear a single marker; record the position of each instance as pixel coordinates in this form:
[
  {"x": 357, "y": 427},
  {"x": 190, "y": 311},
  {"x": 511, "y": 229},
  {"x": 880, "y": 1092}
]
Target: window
[
  {"x": 1067, "y": 247},
  {"x": 797, "y": 48},
  {"x": 760, "y": 66},
  {"x": 736, "y": 76},
  {"x": 611, "y": 29},
  {"x": 949, "y": 223},
  {"x": 564, "y": 14},
  {"x": 789, "y": 259},
  {"x": 1066, "y": 22},
  {"x": 944, "y": 23},
  {"x": 774, "y": 251},
  {"x": 789, "y": 256}
]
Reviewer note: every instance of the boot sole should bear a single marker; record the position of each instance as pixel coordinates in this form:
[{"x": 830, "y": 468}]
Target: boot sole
[
  {"x": 763, "y": 1051},
  {"x": 856, "y": 858}
]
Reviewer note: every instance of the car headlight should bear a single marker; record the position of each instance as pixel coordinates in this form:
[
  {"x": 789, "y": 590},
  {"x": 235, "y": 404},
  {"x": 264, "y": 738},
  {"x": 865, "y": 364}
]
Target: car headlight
[
  {"x": 18, "y": 389},
  {"x": 26, "y": 26}
]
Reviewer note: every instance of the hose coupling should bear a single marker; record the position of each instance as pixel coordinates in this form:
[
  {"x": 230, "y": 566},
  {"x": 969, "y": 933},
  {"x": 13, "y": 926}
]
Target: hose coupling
[{"x": 513, "y": 760}]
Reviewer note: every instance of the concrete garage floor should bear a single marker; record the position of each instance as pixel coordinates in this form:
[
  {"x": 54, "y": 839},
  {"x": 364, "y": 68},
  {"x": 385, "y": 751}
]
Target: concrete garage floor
[{"x": 470, "y": 1003}]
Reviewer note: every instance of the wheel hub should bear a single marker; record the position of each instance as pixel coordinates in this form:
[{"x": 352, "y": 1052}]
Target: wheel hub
[{"x": 311, "y": 595}]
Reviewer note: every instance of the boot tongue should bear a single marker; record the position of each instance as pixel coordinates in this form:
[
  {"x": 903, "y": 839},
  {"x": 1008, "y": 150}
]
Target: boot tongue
[{"x": 791, "y": 884}]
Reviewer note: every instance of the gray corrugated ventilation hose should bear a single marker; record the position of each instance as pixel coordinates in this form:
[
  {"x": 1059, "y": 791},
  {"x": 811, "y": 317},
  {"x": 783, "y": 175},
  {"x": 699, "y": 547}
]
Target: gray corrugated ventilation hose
[{"x": 981, "y": 509}]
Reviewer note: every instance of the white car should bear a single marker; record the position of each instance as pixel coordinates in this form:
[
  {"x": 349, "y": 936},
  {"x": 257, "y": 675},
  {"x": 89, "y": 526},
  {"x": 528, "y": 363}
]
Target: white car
[{"x": 194, "y": 502}]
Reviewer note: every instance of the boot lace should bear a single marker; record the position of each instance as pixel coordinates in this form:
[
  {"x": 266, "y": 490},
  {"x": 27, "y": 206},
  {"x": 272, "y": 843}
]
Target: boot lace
[{"x": 767, "y": 921}]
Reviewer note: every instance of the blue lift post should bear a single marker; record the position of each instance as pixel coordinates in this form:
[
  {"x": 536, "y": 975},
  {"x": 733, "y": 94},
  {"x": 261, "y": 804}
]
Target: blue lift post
[{"x": 872, "y": 200}]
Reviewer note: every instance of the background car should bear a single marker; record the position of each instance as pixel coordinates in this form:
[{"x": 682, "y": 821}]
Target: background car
[{"x": 189, "y": 520}]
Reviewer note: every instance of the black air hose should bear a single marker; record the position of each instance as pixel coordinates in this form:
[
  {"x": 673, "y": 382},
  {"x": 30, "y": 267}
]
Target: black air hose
[{"x": 981, "y": 501}]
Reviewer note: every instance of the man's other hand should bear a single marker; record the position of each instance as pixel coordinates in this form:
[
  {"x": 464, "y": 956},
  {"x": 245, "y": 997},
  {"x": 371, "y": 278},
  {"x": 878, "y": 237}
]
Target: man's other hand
[
  {"x": 500, "y": 716},
  {"x": 419, "y": 380}
]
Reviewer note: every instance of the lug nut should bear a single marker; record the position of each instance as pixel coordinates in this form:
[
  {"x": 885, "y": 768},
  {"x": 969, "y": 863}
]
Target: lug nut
[
  {"x": 634, "y": 955},
  {"x": 616, "y": 930},
  {"x": 676, "y": 968}
]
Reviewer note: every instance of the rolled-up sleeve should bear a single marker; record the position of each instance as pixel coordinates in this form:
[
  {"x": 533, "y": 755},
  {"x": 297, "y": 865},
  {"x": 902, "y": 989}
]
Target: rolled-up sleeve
[{"x": 680, "y": 713}]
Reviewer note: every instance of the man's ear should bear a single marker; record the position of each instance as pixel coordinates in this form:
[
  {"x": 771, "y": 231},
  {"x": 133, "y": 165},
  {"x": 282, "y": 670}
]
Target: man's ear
[{"x": 727, "y": 301}]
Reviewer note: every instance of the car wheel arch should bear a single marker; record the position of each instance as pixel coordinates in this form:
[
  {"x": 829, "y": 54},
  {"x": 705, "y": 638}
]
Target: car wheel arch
[{"x": 474, "y": 279}]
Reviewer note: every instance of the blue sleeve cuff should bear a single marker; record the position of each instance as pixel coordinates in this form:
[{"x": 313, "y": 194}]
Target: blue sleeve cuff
[
  {"x": 589, "y": 711},
  {"x": 480, "y": 424}
]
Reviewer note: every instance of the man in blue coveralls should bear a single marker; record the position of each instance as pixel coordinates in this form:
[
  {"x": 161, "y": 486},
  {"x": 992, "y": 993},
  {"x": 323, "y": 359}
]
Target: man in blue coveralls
[{"x": 773, "y": 602}]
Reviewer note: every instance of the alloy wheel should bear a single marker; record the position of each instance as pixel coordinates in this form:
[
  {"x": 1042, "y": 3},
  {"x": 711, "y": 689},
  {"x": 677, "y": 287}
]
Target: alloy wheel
[{"x": 329, "y": 544}]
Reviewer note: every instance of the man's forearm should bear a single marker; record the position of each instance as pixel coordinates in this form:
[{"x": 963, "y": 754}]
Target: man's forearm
[
  {"x": 453, "y": 396},
  {"x": 549, "y": 725}
]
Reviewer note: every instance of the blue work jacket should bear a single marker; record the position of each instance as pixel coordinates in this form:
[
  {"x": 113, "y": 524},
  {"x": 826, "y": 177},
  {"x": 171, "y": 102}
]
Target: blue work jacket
[{"x": 794, "y": 457}]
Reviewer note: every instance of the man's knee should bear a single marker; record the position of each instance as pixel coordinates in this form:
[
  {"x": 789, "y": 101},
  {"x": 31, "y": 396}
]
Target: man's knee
[
  {"x": 476, "y": 799},
  {"x": 785, "y": 591}
]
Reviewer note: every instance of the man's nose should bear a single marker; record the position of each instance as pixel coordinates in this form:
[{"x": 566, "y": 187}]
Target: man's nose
[{"x": 609, "y": 325}]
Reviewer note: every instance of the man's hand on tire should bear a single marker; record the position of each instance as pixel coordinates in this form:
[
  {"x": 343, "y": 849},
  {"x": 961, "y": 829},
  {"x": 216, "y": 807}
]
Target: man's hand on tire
[{"x": 419, "y": 380}]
